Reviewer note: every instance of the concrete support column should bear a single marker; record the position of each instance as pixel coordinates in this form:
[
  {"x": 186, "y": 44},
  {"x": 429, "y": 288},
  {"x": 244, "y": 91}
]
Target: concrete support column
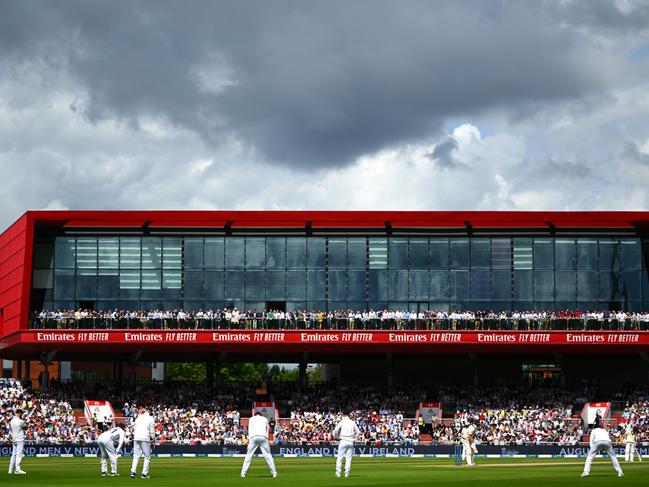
[
  {"x": 475, "y": 365},
  {"x": 390, "y": 369},
  {"x": 19, "y": 369}
]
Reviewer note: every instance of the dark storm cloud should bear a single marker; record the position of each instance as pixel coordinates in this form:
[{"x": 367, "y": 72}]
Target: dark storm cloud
[
  {"x": 443, "y": 154},
  {"x": 305, "y": 84}
]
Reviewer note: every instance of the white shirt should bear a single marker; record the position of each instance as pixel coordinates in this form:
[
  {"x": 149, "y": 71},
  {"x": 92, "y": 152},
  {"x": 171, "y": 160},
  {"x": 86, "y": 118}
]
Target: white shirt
[
  {"x": 468, "y": 432},
  {"x": 258, "y": 426},
  {"x": 17, "y": 426},
  {"x": 599, "y": 434},
  {"x": 346, "y": 429},
  {"x": 116, "y": 435},
  {"x": 143, "y": 428}
]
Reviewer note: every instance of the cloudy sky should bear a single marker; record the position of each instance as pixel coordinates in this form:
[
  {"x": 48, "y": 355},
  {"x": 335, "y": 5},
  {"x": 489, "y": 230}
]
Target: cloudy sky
[{"x": 324, "y": 105}]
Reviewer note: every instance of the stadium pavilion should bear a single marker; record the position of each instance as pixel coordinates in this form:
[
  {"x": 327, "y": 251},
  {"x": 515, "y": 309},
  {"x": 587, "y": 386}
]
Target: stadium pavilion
[{"x": 319, "y": 261}]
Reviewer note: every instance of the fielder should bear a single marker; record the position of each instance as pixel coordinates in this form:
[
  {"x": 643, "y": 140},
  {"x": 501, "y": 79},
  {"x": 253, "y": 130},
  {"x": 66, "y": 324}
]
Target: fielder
[
  {"x": 258, "y": 438},
  {"x": 468, "y": 443},
  {"x": 143, "y": 435},
  {"x": 600, "y": 441},
  {"x": 346, "y": 431},
  {"x": 110, "y": 443},
  {"x": 17, "y": 426}
]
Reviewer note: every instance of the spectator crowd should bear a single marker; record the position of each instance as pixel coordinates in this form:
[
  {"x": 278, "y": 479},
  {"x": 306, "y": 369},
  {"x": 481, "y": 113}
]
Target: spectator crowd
[
  {"x": 187, "y": 414},
  {"x": 233, "y": 318}
]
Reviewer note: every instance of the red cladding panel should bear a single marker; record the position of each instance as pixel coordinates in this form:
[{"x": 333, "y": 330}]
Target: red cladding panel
[{"x": 14, "y": 275}]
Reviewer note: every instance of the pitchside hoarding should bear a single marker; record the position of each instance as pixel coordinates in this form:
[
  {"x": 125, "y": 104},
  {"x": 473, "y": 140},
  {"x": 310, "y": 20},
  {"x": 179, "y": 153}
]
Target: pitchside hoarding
[{"x": 321, "y": 450}]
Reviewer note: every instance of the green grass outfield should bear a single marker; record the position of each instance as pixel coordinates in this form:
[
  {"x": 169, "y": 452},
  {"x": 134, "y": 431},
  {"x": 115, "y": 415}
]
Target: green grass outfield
[{"x": 314, "y": 472}]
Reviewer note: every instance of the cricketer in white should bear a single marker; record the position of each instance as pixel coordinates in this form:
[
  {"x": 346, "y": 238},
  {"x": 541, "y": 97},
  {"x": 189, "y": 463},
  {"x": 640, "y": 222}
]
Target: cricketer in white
[
  {"x": 600, "y": 441},
  {"x": 110, "y": 443},
  {"x": 143, "y": 435},
  {"x": 17, "y": 426},
  {"x": 346, "y": 431},
  {"x": 258, "y": 438}
]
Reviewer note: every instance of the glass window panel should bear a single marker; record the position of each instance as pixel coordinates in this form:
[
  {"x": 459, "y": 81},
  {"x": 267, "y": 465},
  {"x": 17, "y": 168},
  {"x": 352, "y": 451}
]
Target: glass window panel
[
  {"x": 86, "y": 286},
  {"x": 276, "y": 285},
  {"x": 605, "y": 286},
  {"x": 255, "y": 285},
  {"x": 64, "y": 284},
  {"x": 296, "y": 253},
  {"x": 296, "y": 284},
  {"x": 356, "y": 285},
  {"x": 586, "y": 253},
  {"x": 459, "y": 253},
  {"x": 418, "y": 253},
  {"x": 193, "y": 253},
  {"x": 214, "y": 252},
  {"x": 172, "y": 279},
  {"x": 86, "y": 253},
  {"x": 439, "y": 253},
  {"x": 316, "y": 252},
  {"x": 480, "y": 253},
  {"x": 129, "y": 279},
  {"x": 151, "y": 279},
  {"x": 565, "y": 254},
  {"x": 543, "y": 253},
  {"x": 481, "y": 285},
  {"x": 398, "y": 253},
  {"x": 316, "y": 285},
  {"x": 151, "y": 253},
  {"x": 43, "y": 279},
  {"x": 399, "y": 285},
  {"x": 172, "y": 253},
  {"x": 543, "y": 285},
  {"x": 378, "y": 285},
  {"x": 523, "y": 254},
  {"x": 193, "y": 288},
  {"x": 129, "y": 253},
  {"x": 565, "y": 286},
  {"x": 337, "y": 253},
  {"x": 275, "y": 252},
  {"x": 631, "y": 287},
  {"x": 234, "y": 253},
  {"x": 214, "y": 285},
  {"x": 255, "y": 252},
  {"x": 459, "y": 284},
  {"x": 501, "y": 285},
  {"x": 44, "y": 255},
  {"x": 501, "y": 253},
  {"x": 645, "y": 288},
  {"x": 356, "y": 253},
  {"x": 337, "y": 285},
  {"x": 418, "y": 285},
  {"x": 378, "y": 250},
  {"x": 108, "y": 252},
  {"x": 65, "y": 252},
  {"x": 609, "y": 254},
  {"x": 523, "y": 285},
  {"x": 439, "y": 285},
  {"x": 586, "y": 286},
  {"x": 234, "y": 283},
  {"x": 630, "y": 253},
  {"x": 108, "y": 284}
]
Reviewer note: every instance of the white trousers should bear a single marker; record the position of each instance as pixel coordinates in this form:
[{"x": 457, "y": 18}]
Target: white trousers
[
  {"x": 346, "y": 451},
  {"x": 605, "y": 447},
  {"x": 17, "y": 453},
  {"x": 467, "y": 452},
  {"x": 262, "y": 443},
  {"x": 108, "y": 453},
  {"x": 629, "y": 452},
  {"x": 141, "y": 449}
]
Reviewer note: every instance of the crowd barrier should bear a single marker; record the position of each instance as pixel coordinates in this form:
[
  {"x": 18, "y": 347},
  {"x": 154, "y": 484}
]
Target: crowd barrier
[
  {"x": 530, "y": 451},
  {"x": 488, "y": 324}
]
